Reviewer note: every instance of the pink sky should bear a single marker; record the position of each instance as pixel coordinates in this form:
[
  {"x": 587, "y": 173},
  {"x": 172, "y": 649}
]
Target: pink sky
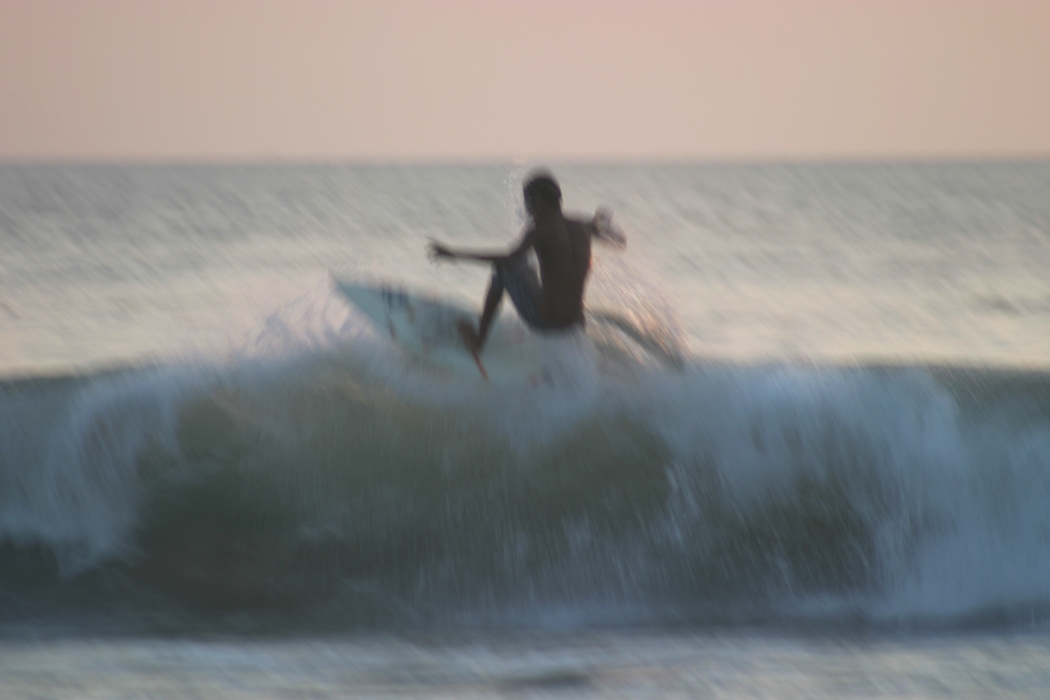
[{"x": 425, "y": 80}]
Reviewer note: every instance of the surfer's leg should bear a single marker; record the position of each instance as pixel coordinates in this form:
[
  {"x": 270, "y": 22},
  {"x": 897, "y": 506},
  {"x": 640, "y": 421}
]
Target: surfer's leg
[
  {"x": 492, "y": 300},
  {"x": 475, "y": 339},
  {"x": 518, "y": 279},
  {"x": 523, "y": 288}
]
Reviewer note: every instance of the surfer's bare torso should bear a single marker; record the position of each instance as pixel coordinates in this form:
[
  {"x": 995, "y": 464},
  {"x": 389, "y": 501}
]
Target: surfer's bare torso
[{"x": 563, "y": 248}]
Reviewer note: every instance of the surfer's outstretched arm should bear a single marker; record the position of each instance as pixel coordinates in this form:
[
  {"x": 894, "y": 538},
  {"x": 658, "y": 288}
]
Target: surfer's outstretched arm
[
  {"x": 604, "y": 230},
  {"x": 439, "y": 251}
]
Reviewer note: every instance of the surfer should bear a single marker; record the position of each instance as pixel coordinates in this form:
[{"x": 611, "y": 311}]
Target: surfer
[{"x": 554, "y": 301}]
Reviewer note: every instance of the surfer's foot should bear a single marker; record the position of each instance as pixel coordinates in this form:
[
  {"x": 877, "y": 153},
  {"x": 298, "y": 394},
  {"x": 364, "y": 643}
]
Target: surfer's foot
[{"x": 469, "y": 336}]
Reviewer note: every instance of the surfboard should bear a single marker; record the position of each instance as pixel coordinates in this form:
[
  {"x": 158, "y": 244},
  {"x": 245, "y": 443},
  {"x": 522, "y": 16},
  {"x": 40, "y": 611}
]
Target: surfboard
[{"x": 427, "y": 328}]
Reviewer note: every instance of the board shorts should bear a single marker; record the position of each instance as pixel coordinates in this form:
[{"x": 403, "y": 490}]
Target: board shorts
[{"x": 518, "y": 278}]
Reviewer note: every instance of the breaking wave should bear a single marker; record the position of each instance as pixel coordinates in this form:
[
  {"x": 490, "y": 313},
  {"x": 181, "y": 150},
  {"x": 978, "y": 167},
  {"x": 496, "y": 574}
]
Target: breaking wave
[{"x": 322, "y": 466}]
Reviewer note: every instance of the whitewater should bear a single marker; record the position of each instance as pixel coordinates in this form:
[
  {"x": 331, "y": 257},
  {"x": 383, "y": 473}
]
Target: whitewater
[{"x": 844, "y": 463}]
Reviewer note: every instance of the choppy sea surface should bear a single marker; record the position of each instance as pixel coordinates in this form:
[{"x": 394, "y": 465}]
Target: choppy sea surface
[{"x": 811, "y": 458}]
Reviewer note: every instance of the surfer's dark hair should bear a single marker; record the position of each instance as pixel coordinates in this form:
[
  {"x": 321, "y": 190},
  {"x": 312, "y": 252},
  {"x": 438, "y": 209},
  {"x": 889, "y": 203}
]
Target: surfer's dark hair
[{"x": 542, "y": 187}]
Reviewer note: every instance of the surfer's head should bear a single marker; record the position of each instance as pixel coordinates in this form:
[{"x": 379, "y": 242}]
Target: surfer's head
[{"x": 542, "y": 192}]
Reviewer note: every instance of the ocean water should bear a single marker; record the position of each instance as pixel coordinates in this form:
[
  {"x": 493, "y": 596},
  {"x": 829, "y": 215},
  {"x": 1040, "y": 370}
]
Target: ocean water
[{"x": 812, "y": 459}]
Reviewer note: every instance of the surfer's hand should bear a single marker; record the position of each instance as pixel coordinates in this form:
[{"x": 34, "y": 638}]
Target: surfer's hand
[
  {"x": 438, "y": 252},
  {"x": 605, "y": 230}
]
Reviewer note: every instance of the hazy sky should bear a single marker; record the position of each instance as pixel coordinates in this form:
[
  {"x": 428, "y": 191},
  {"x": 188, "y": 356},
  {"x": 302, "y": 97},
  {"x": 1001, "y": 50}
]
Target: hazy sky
[{"x": 424, "y": 80}]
